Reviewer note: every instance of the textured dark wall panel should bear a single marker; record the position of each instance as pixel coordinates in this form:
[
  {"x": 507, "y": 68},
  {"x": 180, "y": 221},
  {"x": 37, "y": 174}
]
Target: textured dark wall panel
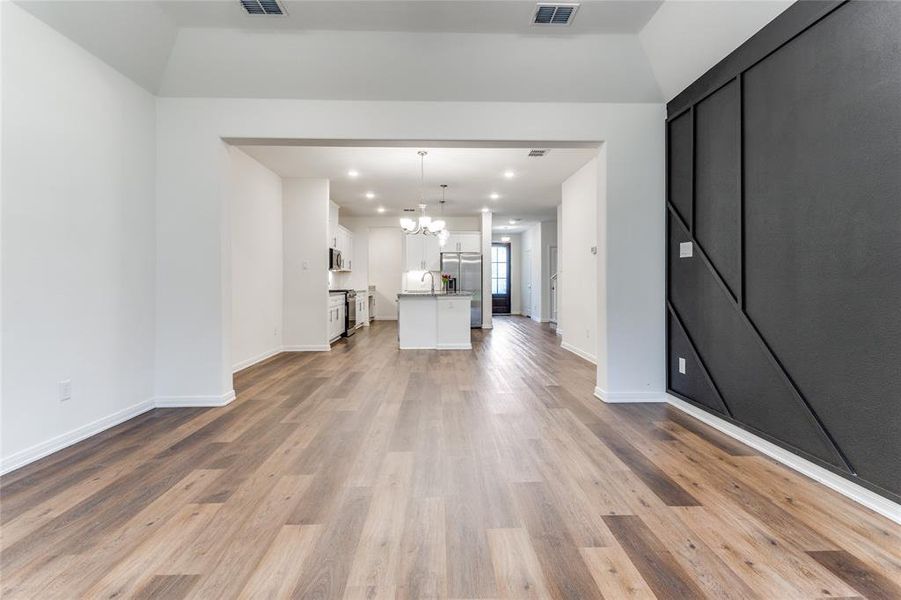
[
  {"x": 717, "y": 203},
  {"x": 807, "y": 347},
  {"x": 823, "y": 225},
  {"x": 750, "y": 384},
  {"x": 691, "y": 384},
  {"x": 679, "y": 165}
]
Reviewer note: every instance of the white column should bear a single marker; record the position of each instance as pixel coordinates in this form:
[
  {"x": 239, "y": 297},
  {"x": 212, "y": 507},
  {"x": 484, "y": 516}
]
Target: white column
[{"x": 486, "y": 270}]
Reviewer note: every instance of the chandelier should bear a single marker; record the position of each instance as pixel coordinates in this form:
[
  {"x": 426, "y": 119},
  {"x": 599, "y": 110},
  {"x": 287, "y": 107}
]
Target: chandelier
[{"x": 424, "y": 225}]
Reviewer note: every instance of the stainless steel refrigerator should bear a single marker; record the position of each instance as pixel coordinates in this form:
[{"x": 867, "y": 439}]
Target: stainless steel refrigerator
[{"x": 466, "y": 268}]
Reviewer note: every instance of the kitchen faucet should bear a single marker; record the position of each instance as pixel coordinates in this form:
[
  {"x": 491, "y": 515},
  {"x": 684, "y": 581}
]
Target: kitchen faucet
[{"x": 430, "y": 274}]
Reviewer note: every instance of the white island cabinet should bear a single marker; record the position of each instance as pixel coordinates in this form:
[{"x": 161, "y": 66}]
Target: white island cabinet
[{"x": 433, "y": 321}]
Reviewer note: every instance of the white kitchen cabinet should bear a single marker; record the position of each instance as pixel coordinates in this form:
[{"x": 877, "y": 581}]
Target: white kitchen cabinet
[
  {"x": 362, "y": 308},
  {"x": 463, "y": 241},
  {"x": 333, "y": 210},
  {"x": 432, "y": 252},
  {"x": 337, "y": 313},
  {"x": 344, "y": 242},
  {"x": 421, "y": 253},
  {"x": 413, "y": 253}
]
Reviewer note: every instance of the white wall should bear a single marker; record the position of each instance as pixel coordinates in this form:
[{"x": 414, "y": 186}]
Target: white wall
[
  {"x": 536, "y": 243},
  {"x": 548, "y": 239},
  {"x": 515, "y": 269},
  {"x": 77, "y": 241},
  {"x": 398, "y": 65},
  {"x": 257, "y": 267},
  {"x": 686, "y": 38},
  {"x": 385, "y": 268},
  {"x": 531, "y": 271},
  {"x": 192, "y": 164},
  {"x": 578, "y": 281},
  {"x": 560, "y": 266},
  {"x": 305, "y": 236}
]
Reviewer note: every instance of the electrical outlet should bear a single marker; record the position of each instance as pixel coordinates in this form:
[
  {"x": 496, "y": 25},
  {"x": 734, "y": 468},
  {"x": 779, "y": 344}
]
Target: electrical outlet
[
  {"x": 305, "y": 265},
  {"x": 275, "y": 332},
  {"x": 686, "y": 250},
  {"x": 65, "y": 390},
  {"x": 682, "y": 365},
  {"x": 587, "y": 333}
]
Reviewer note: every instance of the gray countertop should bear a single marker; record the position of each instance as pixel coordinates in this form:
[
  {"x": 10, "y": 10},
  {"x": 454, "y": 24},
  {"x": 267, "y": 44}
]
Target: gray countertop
[{"x": 431, "y": 294}]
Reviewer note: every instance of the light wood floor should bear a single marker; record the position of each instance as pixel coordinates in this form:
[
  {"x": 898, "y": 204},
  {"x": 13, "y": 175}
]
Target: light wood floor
[{"x": 371, "y": 472}]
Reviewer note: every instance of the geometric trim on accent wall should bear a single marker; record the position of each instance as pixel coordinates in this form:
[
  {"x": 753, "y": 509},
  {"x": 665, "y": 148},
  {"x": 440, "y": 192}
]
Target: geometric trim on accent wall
[
  {"x": 750, "y": 332},
  {"x": 779, "y": 180},
  {"x": 704, "y": 391}
]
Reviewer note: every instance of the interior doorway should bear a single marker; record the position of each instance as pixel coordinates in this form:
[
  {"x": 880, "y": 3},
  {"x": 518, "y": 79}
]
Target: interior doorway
[
  {"x": 552, "y": 269},
  {"x": 500, "y": 278}
]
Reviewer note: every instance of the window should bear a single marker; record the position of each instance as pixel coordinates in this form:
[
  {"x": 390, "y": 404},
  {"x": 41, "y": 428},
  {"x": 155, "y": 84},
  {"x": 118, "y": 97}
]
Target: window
[{"x": 499, "y": 270}]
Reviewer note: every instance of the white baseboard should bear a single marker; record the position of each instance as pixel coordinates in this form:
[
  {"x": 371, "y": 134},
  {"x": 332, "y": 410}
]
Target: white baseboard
[
  {"x": 487, "y": 326},
  {"x": 256, "y": 359},
  {"x": 859, "y": 494},
  {"x": 308, "y": 348},
  {"x": 193, "y": 401},
  {"x": 454, "y": 346},
  {"x": 38, "y": 451},
  {"x": 580, "y": 353},
  {"x": 558, "y": 330},
  {"x": 626, "y": 397}
]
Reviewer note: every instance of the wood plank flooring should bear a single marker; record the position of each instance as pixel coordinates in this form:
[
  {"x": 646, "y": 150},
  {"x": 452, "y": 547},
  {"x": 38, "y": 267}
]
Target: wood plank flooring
[{"x": 369, "y": 472}]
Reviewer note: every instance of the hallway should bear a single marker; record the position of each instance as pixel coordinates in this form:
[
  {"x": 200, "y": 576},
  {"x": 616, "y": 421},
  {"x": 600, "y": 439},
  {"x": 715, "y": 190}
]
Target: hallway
[{"x": 372, "y": 472}]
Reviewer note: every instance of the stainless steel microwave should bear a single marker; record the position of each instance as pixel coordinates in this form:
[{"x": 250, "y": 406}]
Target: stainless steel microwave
[{"x": 335, "y": 262}]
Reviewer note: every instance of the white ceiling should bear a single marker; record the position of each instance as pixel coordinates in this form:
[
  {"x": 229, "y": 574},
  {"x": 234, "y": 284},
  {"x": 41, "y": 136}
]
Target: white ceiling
[
  {"x": 472, "y": 175},
  {"x": 458, "y": 16}
]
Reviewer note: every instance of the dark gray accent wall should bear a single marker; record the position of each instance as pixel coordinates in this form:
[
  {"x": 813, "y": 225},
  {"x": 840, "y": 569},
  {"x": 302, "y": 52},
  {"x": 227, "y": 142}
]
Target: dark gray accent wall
[{"x": 784, "y": 171}]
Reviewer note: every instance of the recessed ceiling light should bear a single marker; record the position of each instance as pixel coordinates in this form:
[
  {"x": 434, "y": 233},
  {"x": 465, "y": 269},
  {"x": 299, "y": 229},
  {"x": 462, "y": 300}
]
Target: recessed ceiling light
[
  {"x": 509, "y": 174},
  {"x": 381, "y": 209},
  {"x": 506, "y": 238},
  {"x": 495, "y": 196},
  {"x": 512, "y": 221},
  {"x": 486, "y": 209},
  {"x": 370, "y": 195},
  {"x": 353, "y": 173}
]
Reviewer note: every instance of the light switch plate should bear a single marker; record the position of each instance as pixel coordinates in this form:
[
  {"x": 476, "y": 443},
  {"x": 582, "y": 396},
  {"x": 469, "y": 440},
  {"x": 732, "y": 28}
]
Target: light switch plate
[
  {"x": 65, "y": 390},
  {"x": 686, "y": 250},
  {"x": 682, "y": 365}
]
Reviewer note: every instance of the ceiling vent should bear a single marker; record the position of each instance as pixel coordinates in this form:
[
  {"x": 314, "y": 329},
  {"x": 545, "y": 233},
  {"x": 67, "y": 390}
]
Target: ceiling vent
[
  {"x": 537, "y": 153},
  {"x": 554, "y": 13},
  {"x": 263, "y": 7}
]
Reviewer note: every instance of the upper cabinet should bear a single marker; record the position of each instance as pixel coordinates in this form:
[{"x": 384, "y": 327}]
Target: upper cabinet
[
  {"x": 340, "y": 237},
  {"x": 421, "y": 253},
  {"x": 333, "y": 224},
  {"x": 344, "y": 242},
  {"x": 463, "y": 241}
]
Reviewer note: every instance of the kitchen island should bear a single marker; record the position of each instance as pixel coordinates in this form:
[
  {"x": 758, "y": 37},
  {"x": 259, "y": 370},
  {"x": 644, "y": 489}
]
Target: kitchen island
[{"x": 433, "y": 320}]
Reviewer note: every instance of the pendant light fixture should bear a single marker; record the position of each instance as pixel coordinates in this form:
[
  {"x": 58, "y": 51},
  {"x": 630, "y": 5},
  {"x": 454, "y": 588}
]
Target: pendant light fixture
[
  {"x": 425, "y": 225},
  {"x": 444, "y": 234}
]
